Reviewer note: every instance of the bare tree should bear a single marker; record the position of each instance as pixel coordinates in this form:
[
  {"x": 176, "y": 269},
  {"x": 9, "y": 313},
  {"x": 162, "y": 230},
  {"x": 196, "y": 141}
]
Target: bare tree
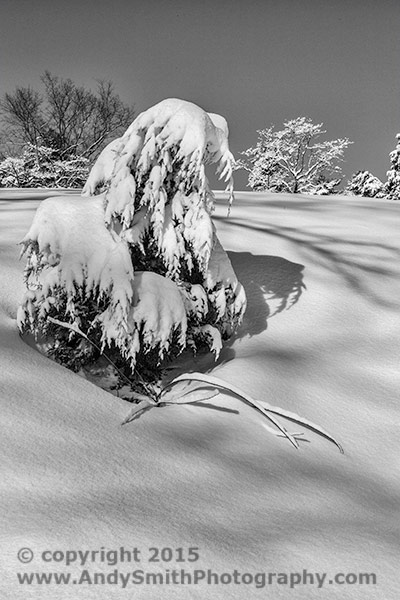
[
  {"x": 110, "y": 117},
  {"x": 69, "y": 118},
  {"x": 22, "y": 111}
]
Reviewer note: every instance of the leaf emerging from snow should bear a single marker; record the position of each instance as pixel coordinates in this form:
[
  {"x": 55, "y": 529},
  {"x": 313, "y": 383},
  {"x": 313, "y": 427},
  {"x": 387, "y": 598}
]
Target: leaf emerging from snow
[
  {"x": 194, "y": 392},
  {"x": 263, "y": 407},
  {"x": 138, "y": 409}
]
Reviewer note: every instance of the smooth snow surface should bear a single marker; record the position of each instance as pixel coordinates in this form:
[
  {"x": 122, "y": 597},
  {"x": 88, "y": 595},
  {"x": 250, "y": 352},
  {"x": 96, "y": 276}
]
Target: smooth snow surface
[{"x": 211, "y": 476}]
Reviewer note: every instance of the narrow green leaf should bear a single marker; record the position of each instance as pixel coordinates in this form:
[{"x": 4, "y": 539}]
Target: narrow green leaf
[
  {"x": 178, "y": 393},
  {"x": 241, "y": 395},
  {"x": 195, "y": 395},
  {"x": 138, "y": 409},
  {"x": 263, "y": 407},
  {"x": 305, "y": 422}
]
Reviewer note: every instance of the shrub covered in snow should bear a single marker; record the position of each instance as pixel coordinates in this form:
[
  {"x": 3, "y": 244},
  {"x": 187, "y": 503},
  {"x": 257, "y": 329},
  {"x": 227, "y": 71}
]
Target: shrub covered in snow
[
  {"x": 392, "y": 186},
  {"x": 134, "y": 263},
  {"x": 323, "y": 186},
  {"x": 363, "y": 183},
  {"x": 39, "y": 166}
]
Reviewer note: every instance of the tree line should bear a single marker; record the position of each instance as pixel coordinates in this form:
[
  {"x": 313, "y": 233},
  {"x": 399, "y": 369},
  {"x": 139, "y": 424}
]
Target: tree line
[
  {"x": 50, "y": 139},
  {"x": 295, "y": 159}
]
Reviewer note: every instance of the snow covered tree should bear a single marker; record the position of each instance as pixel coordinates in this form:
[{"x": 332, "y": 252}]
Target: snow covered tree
[
  {"x": 293, "y": 159},
  {"x": 134, "y": 264},
  {"x": 392, "y": 186},
  {"x": 323, "y": 186},
  {"x": 363, "y": 183}
]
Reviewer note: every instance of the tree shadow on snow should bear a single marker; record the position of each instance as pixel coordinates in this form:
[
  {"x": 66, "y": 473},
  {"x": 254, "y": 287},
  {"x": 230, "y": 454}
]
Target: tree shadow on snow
[
  {"x": 12, "y": 195},
  {"x": 272, "y": 284},
  {"x": 356, "y": 262}
]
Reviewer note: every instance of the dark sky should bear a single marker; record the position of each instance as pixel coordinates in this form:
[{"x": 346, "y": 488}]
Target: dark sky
[{"x": 257, "y": 62}]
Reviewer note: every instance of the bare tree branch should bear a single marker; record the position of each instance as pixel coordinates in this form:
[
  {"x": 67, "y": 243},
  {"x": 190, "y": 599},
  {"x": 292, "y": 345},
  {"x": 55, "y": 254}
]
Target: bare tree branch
[{"x": 67, "y": 118}]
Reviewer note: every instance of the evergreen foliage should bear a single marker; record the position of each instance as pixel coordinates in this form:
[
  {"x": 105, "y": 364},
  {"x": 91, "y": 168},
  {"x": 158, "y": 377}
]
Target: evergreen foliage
[
  {"x": 363, "y": 183},
  {"x": 392, "y": 186}
]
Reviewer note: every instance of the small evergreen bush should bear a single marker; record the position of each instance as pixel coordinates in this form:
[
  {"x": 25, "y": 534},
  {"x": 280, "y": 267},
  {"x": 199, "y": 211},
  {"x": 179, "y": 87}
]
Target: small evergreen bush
[
  {"x": 135, "y": 262},
  {"x": 363, "y": 183}
]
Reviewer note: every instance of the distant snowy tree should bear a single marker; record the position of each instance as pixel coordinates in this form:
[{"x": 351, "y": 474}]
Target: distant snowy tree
[
  {"x": 293, "y": 160},
  {"x": 39, "y": 166},
  {"x": 363, "y": 183},
  {"x": 324, "y": 186},
  {"x": 264, "y": 173},
  {"x": 392, "y": 186},
  {"x": 134, "y": 263}
]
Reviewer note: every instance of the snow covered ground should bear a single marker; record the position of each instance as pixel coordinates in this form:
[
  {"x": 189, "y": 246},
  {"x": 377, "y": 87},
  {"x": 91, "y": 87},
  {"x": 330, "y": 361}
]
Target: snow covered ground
[{"x": 212, "y": 477}]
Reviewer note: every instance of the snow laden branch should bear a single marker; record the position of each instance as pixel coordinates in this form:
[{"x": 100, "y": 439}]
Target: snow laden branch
[
  {"x": 134, "y": 262},
  {"x": 162, "y": 154}
]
